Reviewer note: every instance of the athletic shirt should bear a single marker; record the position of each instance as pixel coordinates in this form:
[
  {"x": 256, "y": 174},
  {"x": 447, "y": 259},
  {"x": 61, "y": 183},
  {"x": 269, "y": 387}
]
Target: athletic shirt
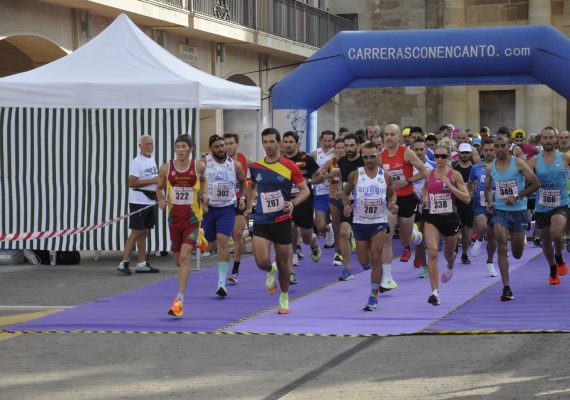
[
  {"x": 553, "y": 191},
  {"x": 241, "y": 159},
  {"x": 183, "y": 188},
  {"x": 222, "y": 181},
  {"x": 465, "y": 172},
  {"x": 274, "y": 182},
  {"x": 370, "y": 198},
  {"x": 142, "y": 168},
  {"x": 478, "y": 174},
  {"x": 509, "y": 182},
  {"x": 568, "y": 175},
  {"x": 335, "y": 179},
  {"x": 321, "y": 189},
  {"x": 346, "y": 166},
  {"x": 419, "y": 185},
  {"x": 399, "y": 169},
  {"x": 440, "y": 198},
  {"x": 308, "y": 167}
]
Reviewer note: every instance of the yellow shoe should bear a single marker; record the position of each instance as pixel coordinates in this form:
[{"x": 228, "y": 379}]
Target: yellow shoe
[
  {"x": 177, "y": 308},
  {"x": 270, "y": 281},
  {"x": 283, "y": 303}
]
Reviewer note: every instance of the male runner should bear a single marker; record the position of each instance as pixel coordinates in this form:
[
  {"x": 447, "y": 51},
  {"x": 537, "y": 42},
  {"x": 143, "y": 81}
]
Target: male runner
[{"x": 321, "y": 190}]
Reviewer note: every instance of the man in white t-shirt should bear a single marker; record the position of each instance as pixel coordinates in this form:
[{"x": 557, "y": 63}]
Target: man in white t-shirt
[{"x": 143, "y": 177}]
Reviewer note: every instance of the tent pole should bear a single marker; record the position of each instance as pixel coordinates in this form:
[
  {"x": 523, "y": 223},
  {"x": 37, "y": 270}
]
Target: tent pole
[{"x": 197, "y": 157}]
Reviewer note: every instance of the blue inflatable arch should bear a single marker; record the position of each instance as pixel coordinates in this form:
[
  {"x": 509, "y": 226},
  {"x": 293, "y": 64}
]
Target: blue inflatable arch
[{"x": 521, "y": 55}]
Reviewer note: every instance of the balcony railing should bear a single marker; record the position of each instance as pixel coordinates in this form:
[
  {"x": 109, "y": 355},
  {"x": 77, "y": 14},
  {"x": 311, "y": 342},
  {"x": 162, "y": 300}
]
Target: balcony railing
[{"x": 286, "y": 18}]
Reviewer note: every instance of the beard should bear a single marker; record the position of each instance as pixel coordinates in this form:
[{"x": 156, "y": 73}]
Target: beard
[{"x": 351, "y": 154}]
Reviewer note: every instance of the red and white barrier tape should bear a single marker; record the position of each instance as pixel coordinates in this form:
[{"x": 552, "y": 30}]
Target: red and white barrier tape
[{"x": 4, "y": 237}]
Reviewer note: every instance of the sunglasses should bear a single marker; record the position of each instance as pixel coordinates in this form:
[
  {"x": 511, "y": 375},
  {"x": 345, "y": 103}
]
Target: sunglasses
[
  {"x": 498, "y": 146},
  {"x": 442, "y": 156},
  {"x": 369, "y": 156},
  {"x": 465, "y": 152}
]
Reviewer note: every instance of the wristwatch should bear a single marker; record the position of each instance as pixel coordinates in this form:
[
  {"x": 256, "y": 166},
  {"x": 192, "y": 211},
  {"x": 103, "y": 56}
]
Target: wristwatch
[{"x": 517, "y": 197}]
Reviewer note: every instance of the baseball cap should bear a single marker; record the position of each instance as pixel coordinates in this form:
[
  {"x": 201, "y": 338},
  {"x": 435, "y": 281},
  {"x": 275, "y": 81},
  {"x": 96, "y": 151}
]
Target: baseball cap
[
  {"x": 464, "y": 147},
  {"x": 518, "y": 132},
  {"x": 214, "y": 138},
  {"x": 406, "y": 131},
  {"x": 477, "y": 142}
]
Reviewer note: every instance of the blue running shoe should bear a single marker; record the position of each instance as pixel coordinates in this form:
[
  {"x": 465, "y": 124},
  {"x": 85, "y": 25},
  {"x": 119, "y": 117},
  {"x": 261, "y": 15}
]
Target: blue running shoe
[
  {"x": 372, "y": 304},
  {"x": 346, "y": 275}
]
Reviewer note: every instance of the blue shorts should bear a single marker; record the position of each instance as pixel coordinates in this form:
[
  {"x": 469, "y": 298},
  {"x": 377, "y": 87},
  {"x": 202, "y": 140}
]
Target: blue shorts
[
  {"x": 218, "y": 220},
  {"x": 365, "y": 232},
  {"x": 513, "y": 221},
  {"x": 480, "y": 210},
  {"x": 321, "y": 203}
]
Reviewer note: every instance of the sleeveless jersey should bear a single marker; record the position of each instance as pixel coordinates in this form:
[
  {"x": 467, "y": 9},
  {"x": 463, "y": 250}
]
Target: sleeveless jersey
[
  {"x": 553, "y": 191},
  {"x": 243, "y": 162},
  {"x": 399, "y": 169},
  {"x": 508, "y": 183},
  {"x": 370, "y": 198},
  {"x": 335, "y": 179},
  {"x": 274, "y": 182},
  {"x": 478, "y": 175},
  {"x": 321, "y": 189},
  {"x": 183, "y": 188},
  {"x": 221, "y": 180},
  {"x": 440, "y": 198}
]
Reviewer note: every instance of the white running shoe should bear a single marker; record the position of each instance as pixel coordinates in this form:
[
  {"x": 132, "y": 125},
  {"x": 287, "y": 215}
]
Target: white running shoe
[
  {"x": 476, "y": 249},
  {"x": 389, "y": 283},
  {"x": 296, "y": 260},
  {"x": 491, "y": 270},
  {"x": 329, "y": 237},
  {"x": 417, "y": 236}
]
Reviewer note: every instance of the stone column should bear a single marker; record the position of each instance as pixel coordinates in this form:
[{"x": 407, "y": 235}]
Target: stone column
[
  {"x": 454, "y": 98},
  {"x": 538, "y": 97}
]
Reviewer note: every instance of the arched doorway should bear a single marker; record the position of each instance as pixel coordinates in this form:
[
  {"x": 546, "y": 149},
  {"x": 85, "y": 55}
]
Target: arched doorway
[
  {"x": 244, "y": 122},
  {"x": 22, "y": 53}
]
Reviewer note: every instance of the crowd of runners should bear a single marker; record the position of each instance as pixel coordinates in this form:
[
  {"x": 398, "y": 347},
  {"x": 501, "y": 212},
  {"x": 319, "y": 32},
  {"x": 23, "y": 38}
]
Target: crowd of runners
[{"x": 437, "y": 193}]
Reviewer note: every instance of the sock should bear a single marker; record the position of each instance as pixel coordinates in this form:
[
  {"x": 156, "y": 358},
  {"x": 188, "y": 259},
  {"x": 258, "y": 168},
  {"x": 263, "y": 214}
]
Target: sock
[
  {"x": 387, "y": 270},
  {"x": 559, "y": 259},
  {"x": 235, "y": 269},
  {"x": 434, "y": 292},
  {"x": 489, "y": 262},
  {"x": 284, "y": 295},
  {"x": 180, "y": 296},
  {"x": 222, "y": 272},
  {"x": 553, "y": 271},
  {"x": 141, "y": 264},
  {"x": 374, "y": 289}
]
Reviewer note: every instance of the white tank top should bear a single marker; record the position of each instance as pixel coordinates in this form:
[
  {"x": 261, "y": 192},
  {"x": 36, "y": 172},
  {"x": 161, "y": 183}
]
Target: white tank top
[
  {"x": 370, "y": 198},
  {"x": 322, "y": 188},
  {"x": 221, "y": 179}
]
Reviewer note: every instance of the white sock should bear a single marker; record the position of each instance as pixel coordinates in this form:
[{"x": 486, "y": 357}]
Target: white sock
[
  {"x": 180, "y": 296},
  {"x": 141, "y": 264},
  {"x": 387, "y": 271}
]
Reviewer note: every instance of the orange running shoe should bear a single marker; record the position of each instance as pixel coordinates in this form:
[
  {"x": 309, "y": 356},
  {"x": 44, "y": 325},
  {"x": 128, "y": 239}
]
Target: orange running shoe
[
  {"x": 177, "y": 308},
  {"x": 554, "y": 280},
  {"x": 562, "y": 269},
  {"x": 406, "y": 255},
  {"x": 417, "y": 262}
]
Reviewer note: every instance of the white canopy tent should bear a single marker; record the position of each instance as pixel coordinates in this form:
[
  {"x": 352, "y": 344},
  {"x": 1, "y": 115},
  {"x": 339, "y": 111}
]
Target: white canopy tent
[{"x": 70, "y": 128}]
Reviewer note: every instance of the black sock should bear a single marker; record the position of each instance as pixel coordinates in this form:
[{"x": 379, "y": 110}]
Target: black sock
[
  {"x": 553, "y": 271},
  {"x": 489, "y": 262},
  {"x": 559, "y": 259},
  {"x": 235, "y": 269}
]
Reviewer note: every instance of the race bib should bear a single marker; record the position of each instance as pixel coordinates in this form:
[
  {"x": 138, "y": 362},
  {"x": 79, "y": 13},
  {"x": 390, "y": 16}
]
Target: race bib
[
  {"x": 440, "y": 203},
  {"x": 397, "y": 175},
  {"x": 371, "y": 208},
  {"x": 222, "y": 191},
  {"x": 506, "y": 189},
  {"x": 272, "y": 202},
  {"x": 483, "y": 201},
  {"x": 549, "y": 198},
  {"x": 182, "y": 196}
]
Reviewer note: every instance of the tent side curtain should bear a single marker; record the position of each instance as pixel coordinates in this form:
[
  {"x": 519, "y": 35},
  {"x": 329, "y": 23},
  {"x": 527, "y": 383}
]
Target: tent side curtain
[{"x": 68, "y": 168}]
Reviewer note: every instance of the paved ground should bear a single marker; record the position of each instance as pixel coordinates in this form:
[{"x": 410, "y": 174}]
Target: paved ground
[{"x": 124, "y": 366}]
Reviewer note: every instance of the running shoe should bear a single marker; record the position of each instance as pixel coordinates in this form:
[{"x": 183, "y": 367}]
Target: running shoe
[
  {"x": 337, "y": 260},
  {"x": 423, "y": 272},
  {"x": 345, "y": 275},
  {"x": 296, "y": 262},
  {"x": 146, "y": 269},
  {"x": 222, "y": 292},
  {"x": 446, "y": 275},
  {"x": 352, "y": 242},
  {"x": 283, "y": 304},
  {"x": 388, "y": 283},
  {"x": 123, "y": 268},
  {"x": 417, "y": 236},
  {"x": 372, "y": 304},
  {"x": 491, "y": 270},
  {"x": 417, "y": 262},
  {"x": 476, "y": 249},
  {"x": 433, "y": 299},
  {"x": 177, "y": 308},
  {"x": 507, "y": 294},
  {"x": 473, "y": 237},
  {"x": 553, "y": 280},
  {"x": 406, "y": 255},
  {"x": 316, "y": 253},
  {"x": 329, "y": 238},
  {"x": 270, "y": 281},
  {"x": 233, "y": 278},
  {"x": 465, "y": 259},
  {"x": 367, "y": 267},
  {"x": 562, "y": 269},
  {"x": 292, "y": 279},
  {"x": 300, "y": 253},
  {"x": 537, "y": 241}
]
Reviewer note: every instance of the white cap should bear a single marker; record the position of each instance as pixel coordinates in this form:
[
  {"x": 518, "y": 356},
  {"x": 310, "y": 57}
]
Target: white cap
[{"x": 464, "y": 147}]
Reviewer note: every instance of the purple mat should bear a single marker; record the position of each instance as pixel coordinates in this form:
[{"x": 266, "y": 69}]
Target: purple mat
[
  {"x": 145, "y": 309},
  {"x": 338, "y": 308},
  {"x": 537, "y": 305}
]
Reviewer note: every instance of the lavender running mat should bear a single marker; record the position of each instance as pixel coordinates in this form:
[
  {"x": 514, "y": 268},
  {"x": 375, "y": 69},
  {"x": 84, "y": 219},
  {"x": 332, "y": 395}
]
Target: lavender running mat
[
  {"x": 537, "y": 305},
  {"x": 338, "y": 308},
  {"x": 145, "y": 309}
]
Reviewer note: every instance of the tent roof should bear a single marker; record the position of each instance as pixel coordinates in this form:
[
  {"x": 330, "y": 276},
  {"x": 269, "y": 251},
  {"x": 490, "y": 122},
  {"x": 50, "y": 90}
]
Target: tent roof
[{"x": 123, "y": 68}]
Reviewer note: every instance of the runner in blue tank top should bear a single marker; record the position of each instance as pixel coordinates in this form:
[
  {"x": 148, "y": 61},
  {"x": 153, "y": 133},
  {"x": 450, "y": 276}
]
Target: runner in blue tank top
[
  {"x": 551, "y": 202},
  {"x": 508, "y": 205}
]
